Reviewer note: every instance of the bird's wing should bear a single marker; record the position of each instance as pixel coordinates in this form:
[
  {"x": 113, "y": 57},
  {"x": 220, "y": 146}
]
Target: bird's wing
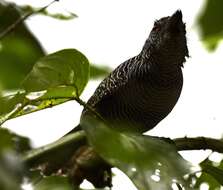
[{"x": 118, "y": 78}]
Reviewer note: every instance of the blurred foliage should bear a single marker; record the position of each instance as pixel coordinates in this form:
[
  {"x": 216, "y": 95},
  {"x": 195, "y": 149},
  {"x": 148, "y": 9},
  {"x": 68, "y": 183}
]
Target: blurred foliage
[
  {"x": 60, "y": 16},
  {"x": 140, "y": 157},
  {"x": 97, "y": 72},
  {"x": 11, "y": 141},
  {"x": 211, "y": 23},
  {"x": 19, "y": 50},
  {"x": 11, "y": 168}
]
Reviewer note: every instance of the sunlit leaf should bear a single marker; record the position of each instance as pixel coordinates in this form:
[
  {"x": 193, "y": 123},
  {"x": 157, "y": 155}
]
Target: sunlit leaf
[
  {"x": 67, "y": 67},
  {"x": 150, "y": 163},
  {"x": 211, "y": 23},
  {"x": 19, "y": 50},
  {"x": 99, "y": 71}
]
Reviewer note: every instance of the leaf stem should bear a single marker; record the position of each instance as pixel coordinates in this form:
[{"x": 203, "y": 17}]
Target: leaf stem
[{"x": 85, "y": 105}]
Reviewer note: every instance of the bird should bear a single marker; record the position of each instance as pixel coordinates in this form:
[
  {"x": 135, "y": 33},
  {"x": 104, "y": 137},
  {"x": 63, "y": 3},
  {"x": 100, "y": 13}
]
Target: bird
[
  {"x": 138, "y": 94},
  {"x": 143, "y": 90}
]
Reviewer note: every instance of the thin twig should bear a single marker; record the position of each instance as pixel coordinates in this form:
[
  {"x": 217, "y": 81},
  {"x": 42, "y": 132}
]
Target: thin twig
[
  {"x": 21, "y": 19},
  {"x": 88, "y": 107}
]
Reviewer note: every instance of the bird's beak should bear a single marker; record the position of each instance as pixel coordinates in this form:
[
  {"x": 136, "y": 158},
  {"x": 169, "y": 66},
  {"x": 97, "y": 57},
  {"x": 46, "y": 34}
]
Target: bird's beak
[{"x": 175, "y": 21}]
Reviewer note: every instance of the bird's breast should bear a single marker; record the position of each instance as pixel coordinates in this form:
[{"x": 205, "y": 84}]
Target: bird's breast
[{"x": 142, "y": 103}]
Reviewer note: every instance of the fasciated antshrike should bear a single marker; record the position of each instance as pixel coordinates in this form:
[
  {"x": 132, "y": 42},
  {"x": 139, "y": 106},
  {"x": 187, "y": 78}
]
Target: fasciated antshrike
[
  {"x": 143, "y": 90},
  {"x": 137, "y": 95}
]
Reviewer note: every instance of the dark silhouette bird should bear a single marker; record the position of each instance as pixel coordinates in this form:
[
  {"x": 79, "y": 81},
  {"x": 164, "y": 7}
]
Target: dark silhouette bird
[
  {"x": 143, "y": 90},
  {"x": 138, "y": 94}
]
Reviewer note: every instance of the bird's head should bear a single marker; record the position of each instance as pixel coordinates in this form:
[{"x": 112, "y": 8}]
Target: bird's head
[{"x": 168, "y": 38}]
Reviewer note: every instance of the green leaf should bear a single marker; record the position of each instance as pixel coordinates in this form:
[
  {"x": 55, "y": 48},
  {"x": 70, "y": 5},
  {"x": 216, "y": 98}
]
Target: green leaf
[
  {"x": 53, "y": 182},
  {"x": 151, "y": 163},
  {"x": 46, "y": 99},
  {"x": 54, "y": 79},
  {"x": 99, "y": 71},
  {"x": 19, "y": 50},
  {"x": 211, "y": 23},
  {"x": 67, "y": 67}
]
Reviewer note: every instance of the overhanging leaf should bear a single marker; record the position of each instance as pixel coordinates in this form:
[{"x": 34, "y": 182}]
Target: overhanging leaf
[
  {"x": 19, "y": 50},
  {"x": 150, "y": 163},
  {"x": 67, "y": 67}
]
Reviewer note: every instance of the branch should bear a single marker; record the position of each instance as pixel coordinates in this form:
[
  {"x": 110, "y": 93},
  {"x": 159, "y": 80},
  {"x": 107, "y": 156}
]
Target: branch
[
  {"x": 199, "y": 143},
  {"x": 63, "y": 146},
  {"x": 21, "y": 19},
  {"x": 74, "y": 140}
]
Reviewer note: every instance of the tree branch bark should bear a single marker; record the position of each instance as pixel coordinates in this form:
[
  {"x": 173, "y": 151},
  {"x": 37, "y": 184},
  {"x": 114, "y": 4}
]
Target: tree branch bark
[
  {"x": 59, "y": 149},
  {"x": 69, "y": 143},
  {"x": 199, "y": 143}
]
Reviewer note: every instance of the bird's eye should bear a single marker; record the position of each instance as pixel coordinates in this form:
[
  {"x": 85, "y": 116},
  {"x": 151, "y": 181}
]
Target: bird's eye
[{"x": 156, "y": 27}]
